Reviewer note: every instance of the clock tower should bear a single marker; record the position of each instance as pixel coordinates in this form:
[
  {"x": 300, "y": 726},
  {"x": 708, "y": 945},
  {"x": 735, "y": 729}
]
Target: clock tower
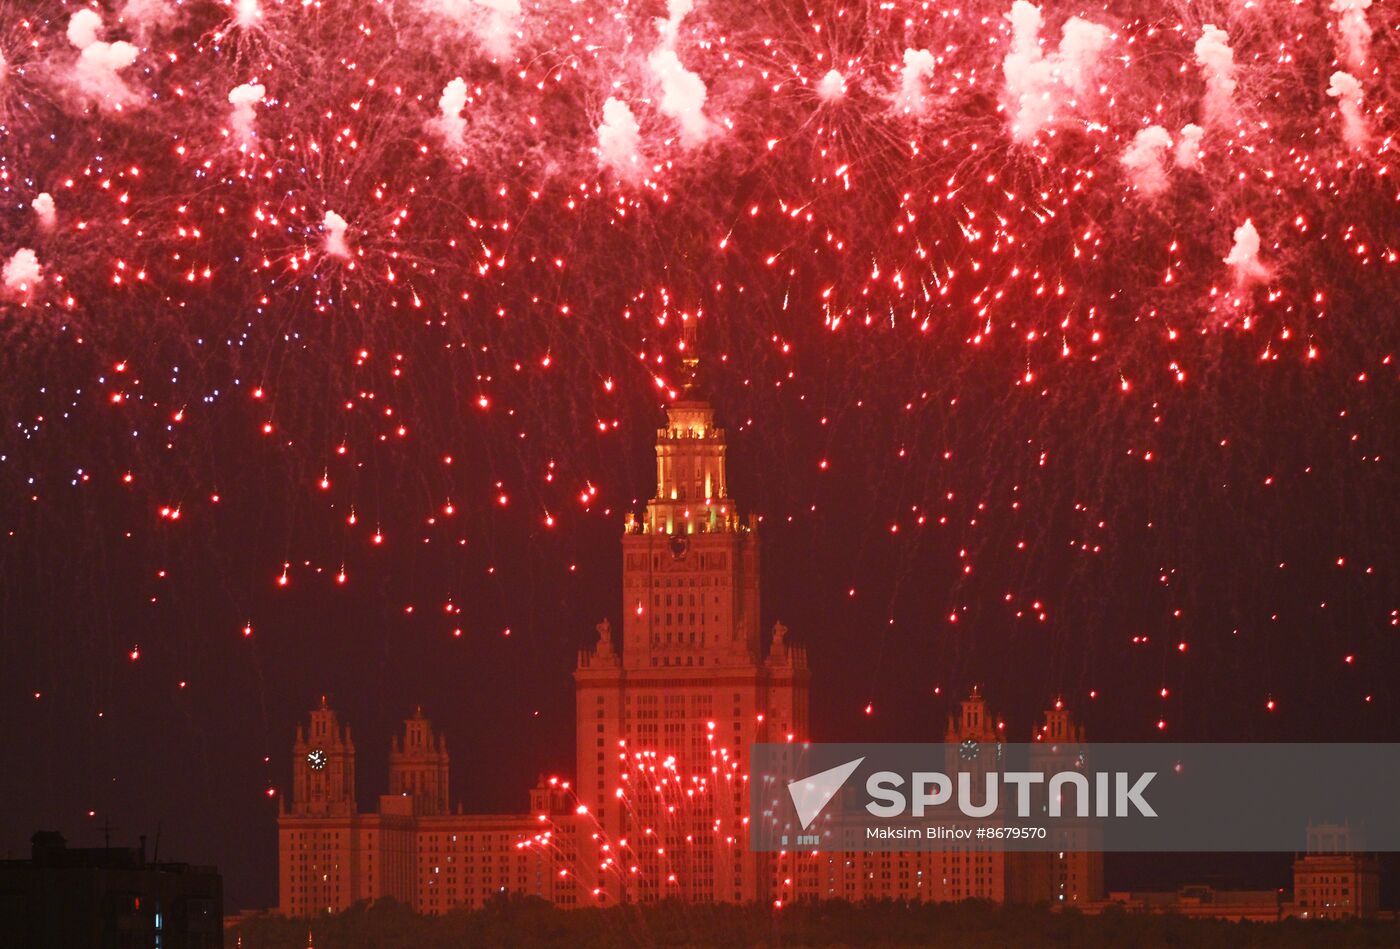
[{"x": 323, "y": 777}]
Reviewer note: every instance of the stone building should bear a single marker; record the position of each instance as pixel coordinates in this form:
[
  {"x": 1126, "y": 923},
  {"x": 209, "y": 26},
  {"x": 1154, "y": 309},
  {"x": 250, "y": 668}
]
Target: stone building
[{"x": 665, "y": 720}]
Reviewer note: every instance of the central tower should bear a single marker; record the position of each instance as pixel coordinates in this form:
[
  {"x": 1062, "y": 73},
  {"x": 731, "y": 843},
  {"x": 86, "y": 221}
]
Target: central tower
[
  {"x": 690, "y": 563},
  {"x": 665, "y": 724}
]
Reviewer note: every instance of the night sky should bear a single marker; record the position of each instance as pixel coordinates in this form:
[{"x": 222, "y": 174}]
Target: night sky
[{"x": 344, "y": 386}]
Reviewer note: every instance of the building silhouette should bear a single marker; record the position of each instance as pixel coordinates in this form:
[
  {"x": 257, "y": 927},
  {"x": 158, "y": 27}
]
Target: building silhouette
[
  {"x": 107, "y": 898},
  {"x": 1072, "y": 876},
  {"x": 1332, "y": 879},
  {"x": 664, "y": 726},
  {"x": 665, "y": 720},
  {"x": 411, "y": 848}
]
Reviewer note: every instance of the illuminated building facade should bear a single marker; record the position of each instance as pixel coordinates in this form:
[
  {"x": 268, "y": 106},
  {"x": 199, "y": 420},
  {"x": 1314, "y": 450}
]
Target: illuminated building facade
[
  {"x": 1069, "y": 877},
  {"x": 1333, "y": 880},
  {"x": 665, "y": 725},
  {"x": 411, "y": 848},
  {"x": 665, "y": 720}
]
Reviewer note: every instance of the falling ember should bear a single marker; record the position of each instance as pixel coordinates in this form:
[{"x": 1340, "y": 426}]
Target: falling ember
[{"x": 1057, "y": 332}]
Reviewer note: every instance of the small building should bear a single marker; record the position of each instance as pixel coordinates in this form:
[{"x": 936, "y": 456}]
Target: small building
[
  {"x": 1333, "y": 880},
  {"x": 107, "y": 898},
  {"x": 1198, "y": 901}
]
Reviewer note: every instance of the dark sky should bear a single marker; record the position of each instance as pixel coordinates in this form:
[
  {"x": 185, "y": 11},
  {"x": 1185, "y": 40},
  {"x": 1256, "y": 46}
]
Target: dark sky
[
  {"x": 1245, "y": 573},
  {"x": 1009, "y": 417}
]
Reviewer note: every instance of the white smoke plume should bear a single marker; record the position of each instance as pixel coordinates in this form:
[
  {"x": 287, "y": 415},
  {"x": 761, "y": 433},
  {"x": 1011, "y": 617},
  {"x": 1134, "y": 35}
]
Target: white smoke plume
[
  {"x": 912, "y": 96},
  {"x": 44, "y": 210},
  {"x": 22, "y": 274},
  {"x": 1217, "y": 62},
  {"x": 1347, "y": 90},
  {"x": 84, "y": 27},
  {"x": 1243, "y": 258},
  {"x": 832, "y": 87},
  {"x": 500, "y": 23},
  {"x": 1146, "y": 159},
  {"x": 336, "y": 244},
  {"x": 1026, "y": 73},
  {"x": 1355, "y": 38},
  {"x": 1188, "y": 146},
  {"x": 619, "y": 140},
  {"x": 95, "y": 75},
  {"x": 244, "y": 100},
  {"x": 246, "y": 13},
  {"x": 1080, "y": 44},
  {"x": 494, "y": 23},
  {"x": 449, "y": 122},
  {"x": 1037, "y": 85},
  {"x": 144, "y": 17},
  {"x": 683, "y": 93},
  {"x": 676, "y": 11}
]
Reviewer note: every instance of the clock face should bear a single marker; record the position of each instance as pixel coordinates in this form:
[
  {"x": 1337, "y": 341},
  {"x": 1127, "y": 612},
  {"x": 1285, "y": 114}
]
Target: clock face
[
  {"x": 679, "y": 546},
  {"x": 317, "y": 759},
  {"x": 968, "y": 750}
]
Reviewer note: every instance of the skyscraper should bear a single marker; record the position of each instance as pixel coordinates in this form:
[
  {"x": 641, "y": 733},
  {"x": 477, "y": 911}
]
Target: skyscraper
[
  {"x": 665, "y": 719},
  {"x": 665, "y": 725}
]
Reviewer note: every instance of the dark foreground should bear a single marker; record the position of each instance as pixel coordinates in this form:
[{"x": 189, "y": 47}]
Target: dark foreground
[{"x": 530, "y": 923}]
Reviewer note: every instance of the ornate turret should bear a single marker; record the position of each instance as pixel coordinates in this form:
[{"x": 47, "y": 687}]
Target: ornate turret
[
  {"x": 690, "y": 563},
  {"x": 323, "y": 763},
  {"x": 973, "y": 722},
  {"x": 1059, "y": 726},
  {"x": 418, "y": 766}
]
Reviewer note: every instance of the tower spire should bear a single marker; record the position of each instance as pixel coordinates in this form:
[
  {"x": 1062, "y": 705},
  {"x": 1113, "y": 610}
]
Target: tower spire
[{"x": 690, "y": 356}]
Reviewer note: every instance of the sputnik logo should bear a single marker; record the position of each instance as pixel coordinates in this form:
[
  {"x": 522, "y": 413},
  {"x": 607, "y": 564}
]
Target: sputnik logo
[{"x": 812, "y": 793}]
